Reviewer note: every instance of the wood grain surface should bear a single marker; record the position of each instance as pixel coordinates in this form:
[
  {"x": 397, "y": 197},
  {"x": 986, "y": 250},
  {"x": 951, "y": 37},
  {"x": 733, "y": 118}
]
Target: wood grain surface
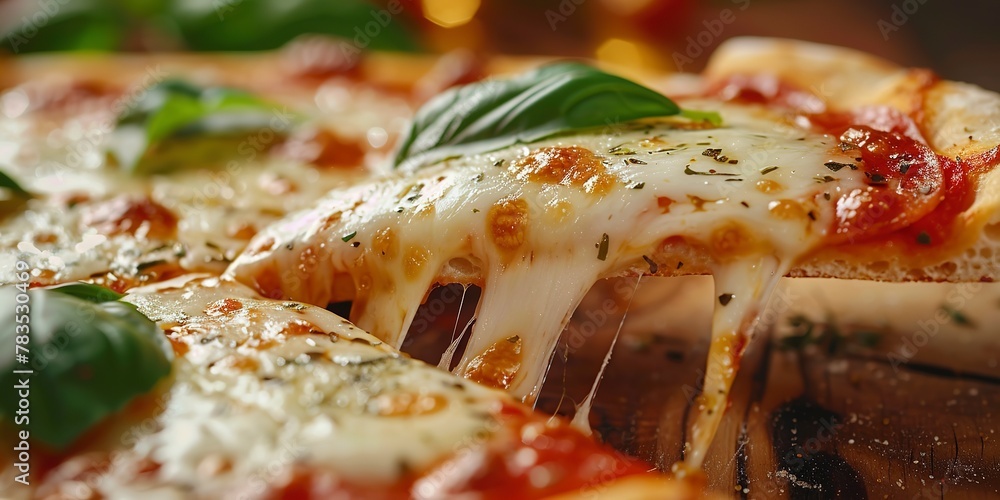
[{"x": 895, "y": 394}]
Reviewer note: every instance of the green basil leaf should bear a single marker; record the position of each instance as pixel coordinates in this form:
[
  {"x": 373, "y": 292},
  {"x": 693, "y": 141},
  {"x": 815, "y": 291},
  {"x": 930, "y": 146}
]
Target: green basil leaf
[
  {"x": 88, "y": 361},
  {"x": 703, "y": 116},
  {"x": 176, "y": 124},
  {"x": 63, "y": 25},
  {"x": 493, "y": 114},
  {"x": 219, "y": 25},
  {"x": 13, "y": 197},
  {"x": 8, "y": 183},
  {"x": 87, "y": 291},
  {"x": 228, "y": 25}
]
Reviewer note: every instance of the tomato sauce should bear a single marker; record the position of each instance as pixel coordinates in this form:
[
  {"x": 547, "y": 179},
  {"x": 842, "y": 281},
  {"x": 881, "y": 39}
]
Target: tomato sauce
[
  {"x": 539, "y": 460},
  {"x": 129, "y": 214},
  {"x": 915, "y": 195},
  {"x": 547, "y": 459}
]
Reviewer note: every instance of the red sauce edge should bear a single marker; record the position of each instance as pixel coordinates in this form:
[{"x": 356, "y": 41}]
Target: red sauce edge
[
  {"x": 894, "y": 132},
  {"x": 575, "y": 462}
]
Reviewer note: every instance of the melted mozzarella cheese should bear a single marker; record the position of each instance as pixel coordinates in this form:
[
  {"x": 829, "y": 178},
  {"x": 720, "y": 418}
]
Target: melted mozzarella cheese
[
  {"x": 266, "y": 385},
  {"x": 540, "y": 223},
  {"x": 63, "y": 154}
]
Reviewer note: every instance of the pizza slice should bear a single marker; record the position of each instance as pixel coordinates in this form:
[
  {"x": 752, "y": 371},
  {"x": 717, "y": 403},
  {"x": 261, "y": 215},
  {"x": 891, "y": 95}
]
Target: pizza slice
[
  {"x": 279, "y": 399},
  {"x": 252, "y": 397},
  {"x": 788, "y": 159}
]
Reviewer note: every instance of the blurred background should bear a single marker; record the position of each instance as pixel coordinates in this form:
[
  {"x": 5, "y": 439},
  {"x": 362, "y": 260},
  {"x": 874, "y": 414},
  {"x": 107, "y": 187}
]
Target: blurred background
[{"x": 958, "y": 39}]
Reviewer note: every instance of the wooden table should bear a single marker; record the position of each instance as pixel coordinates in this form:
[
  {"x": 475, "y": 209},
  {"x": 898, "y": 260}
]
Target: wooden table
[{"x": 905, "y": 406}]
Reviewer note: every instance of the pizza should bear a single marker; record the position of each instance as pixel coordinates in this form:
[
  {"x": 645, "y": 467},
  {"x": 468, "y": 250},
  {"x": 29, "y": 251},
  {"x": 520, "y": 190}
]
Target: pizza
[
  {"x": 222, "y": 203},
  {"x": 830, "y": 163},
  {"x": 278, "y": 399},
  {"x": 382, "y": 425}
]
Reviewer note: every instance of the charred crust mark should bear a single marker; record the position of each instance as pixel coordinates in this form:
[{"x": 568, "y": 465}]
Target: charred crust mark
[{"x": 653, "y": 267}]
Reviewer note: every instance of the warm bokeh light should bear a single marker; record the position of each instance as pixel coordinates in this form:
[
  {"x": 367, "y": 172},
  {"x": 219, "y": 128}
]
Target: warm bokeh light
[
  {"x": 627, "y": 7},
  {"x": 467, "y": 36},
  {"x": 450, "y": 13},
  {"x": 629, "y": 53}
]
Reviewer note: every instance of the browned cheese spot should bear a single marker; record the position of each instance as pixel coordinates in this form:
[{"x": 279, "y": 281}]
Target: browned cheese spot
[
  {"x": 732, "y": 240},
  {"x": 699, "y": 202},
  {"x": 559, "y": 211},
  {"x": 768, "y": 186},
  {"x": 363, "y": 286},
  {"x": 224, "y": 307},
  {"x": 268, "y": 283},
  {"x": 127, "y": 214},
  {"x": 664, "y": 204},
  {"x": 308, "y": 261},
  {"x": 331, "y": 220},
  {"x": 507, "y": 224},
  {"x": 407, "y": 404},
  {"x": 786, "y": 210},
  {"x": 241, "y": 231},
  {"x": 497, "y": 365},
  {"x": 425, "y": 210},
  {"x": 45, "y": 238},
  {"x": 261, "y": 246},
  {"x": 385, "y": 244},
  {"x": 179, "y": 346},
  {"x": 323, "y": 148},
  {"x": 414, "y": 259},
  {"x": 237, "y": 362},
  {"x": 570, "y": 166},
  {"x": 300, "y": 327}
]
